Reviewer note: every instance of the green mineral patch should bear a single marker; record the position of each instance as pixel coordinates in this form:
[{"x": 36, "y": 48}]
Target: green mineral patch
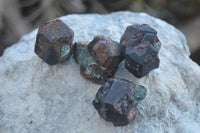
[
  {"x": 65, "y": 51},
  {"x": 102, "y": 94},
  {"x": 158, "y": 44},
  {"x": 139, "y": 94},
  {"x": 84, "y": 59}
]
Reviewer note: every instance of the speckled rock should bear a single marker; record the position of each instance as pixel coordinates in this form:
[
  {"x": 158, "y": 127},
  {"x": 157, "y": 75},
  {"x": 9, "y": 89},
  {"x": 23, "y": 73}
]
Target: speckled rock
[{"x": 36, "y": 97}]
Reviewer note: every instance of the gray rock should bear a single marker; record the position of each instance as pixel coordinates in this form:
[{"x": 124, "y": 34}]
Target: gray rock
[{"x": 38, "y": 98}]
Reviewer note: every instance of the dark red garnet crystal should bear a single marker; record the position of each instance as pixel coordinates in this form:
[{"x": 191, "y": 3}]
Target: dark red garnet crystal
[
  {"x": 54, "y": 42},
  {"x": 141, "y": 46},
  {"x": 99, "y": 59},
  {"x": 117, "y": 99}
]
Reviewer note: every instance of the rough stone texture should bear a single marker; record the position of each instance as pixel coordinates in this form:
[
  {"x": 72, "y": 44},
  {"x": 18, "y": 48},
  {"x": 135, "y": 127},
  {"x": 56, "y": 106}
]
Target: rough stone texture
[{"x": 36, "y": 97}]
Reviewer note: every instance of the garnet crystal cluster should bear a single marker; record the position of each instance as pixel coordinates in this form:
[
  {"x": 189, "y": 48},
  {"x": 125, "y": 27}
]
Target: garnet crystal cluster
[{"x": 116, "y": 101}]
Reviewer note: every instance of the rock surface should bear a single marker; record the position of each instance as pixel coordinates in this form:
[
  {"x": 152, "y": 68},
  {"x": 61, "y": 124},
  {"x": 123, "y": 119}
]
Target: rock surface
[{"x": 36, "y": 97}]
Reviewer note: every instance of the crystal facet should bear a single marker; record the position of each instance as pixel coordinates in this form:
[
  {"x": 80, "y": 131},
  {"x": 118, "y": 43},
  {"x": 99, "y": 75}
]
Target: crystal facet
[{"x": 106, "y": 52}]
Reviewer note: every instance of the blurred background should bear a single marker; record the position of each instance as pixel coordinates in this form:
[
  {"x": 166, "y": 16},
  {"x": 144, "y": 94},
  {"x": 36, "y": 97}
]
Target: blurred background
[{"x": 18, "y": 17}]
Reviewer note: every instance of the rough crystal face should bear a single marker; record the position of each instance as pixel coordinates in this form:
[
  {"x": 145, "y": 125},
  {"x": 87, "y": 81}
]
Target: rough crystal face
[
  {"x": 141, "y": 46},
  {"x": 105, "y": 52},
  {"x": 117, "y": 99},
  {"x": 135, "y": 34},
  {"x": 141, "y": 59},
  {"x": 53, "y": 42},
  {"x": 88, "y": 67}
]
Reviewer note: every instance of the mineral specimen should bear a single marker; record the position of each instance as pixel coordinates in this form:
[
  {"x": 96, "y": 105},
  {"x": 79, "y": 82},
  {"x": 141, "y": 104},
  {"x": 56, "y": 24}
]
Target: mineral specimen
[
  {"x": 141, "y": 46},
  {"x": 88, "y": 67},
  {"x": 105, "y": 52},
  {"x": 54, "y": 41},
  {"x": 117, "y": 99},
  {"x": 99, "y": 59}
]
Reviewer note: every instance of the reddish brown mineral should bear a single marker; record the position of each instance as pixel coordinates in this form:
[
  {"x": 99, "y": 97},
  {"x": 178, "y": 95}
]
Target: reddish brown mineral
[
  {"x": 54, "y": 41},
  {"x": 117, "y": 99},
  {"x": 99, "y": 59},
  {"x": 141, "y": 46},
  {"x": 88, "y": 67},
  {"x": 135, "y": 34},
  {"x": 105, "y": 52},
  {"x": 141, "y": 59}
]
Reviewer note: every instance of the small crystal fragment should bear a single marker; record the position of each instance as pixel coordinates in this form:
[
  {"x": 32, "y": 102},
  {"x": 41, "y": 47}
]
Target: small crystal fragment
[
  {"x": 54, "y": 41},
  {"x": 117, "y": 99}
]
